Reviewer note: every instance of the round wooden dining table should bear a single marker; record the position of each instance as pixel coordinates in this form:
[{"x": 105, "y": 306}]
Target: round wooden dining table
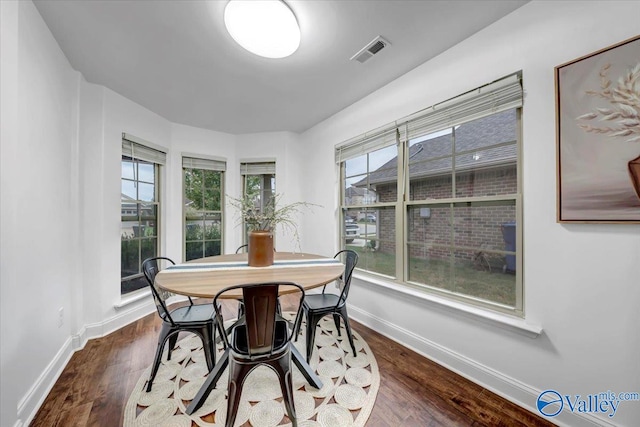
[{"x": 206, "y": 277}]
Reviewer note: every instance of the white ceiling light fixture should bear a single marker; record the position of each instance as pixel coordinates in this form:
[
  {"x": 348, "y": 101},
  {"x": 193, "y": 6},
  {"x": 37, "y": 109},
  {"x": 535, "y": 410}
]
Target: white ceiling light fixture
[{"x": 267, "y": 28}]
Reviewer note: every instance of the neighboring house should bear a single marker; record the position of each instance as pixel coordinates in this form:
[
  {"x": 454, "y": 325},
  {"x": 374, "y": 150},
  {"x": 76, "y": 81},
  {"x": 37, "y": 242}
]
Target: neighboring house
[
  {"x": 485, "y": 157},
  {"x": 131, "y": 226},
  {"x": 359, "y": 196}
]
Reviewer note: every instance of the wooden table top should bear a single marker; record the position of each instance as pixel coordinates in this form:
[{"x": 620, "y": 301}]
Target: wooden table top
[{"x": 194, "y": 279}]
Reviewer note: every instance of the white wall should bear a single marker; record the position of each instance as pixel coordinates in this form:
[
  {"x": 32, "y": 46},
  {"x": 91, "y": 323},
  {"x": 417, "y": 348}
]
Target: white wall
[
  {"x": 39, "y": 204},
  {"x": 581, "y": 281}
]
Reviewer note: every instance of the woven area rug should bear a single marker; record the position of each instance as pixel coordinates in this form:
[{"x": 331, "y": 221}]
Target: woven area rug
[{"x": 346, "y": 399}]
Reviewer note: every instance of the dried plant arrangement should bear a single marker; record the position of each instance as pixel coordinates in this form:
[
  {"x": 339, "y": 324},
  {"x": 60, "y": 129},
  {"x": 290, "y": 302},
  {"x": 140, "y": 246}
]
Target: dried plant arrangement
[
  {"x": 625, "y": 106},
  {"x": 271, "y": 215}
]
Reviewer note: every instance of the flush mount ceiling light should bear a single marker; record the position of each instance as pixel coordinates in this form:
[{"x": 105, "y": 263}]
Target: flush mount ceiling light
[{"x": 265, "y": 27}]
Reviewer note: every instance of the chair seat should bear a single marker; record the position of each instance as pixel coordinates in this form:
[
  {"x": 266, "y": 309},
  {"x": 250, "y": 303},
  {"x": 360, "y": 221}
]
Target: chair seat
[
  {"x": 239, "y": 337},
  {"x": 193, "y": 313},
  {"x": 321, "y": 301}
]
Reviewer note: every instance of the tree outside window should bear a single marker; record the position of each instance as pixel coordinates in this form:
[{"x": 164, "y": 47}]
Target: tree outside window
[{"x": 203, "y": 212}]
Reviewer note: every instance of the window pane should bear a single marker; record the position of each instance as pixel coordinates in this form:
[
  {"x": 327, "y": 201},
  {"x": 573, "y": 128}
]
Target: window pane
[
  {"x": 212, "y": 248},
  {"x": 355, "y": 195},
  {"x": 128, "y": 190},
  {"x": 211, "y": 179},
  {"x": 466, "y": 248},
  {"x": 356, "y": 166},
  {"x": 194, "y": 250},
  {"x": 486, "y": 182},
  {"x": 129, "y": 259},
  {"x": 480, "y": 274},
  {"x": 128, "y": 167},
  {"x": 193, "y": 189},
  {"x": 194, "y": 230},
  {"x": 212, "y": 199},
  {"x": 146, "y": 172},
  {"x": 430, "y": 227},
  {"x": 491, "y": 130},
  {"x": 146, "y": 192},
  {"x": 129, "y": 229},
  {"x": 436, "y": 186},
  {"x": 253, "y": 184},
  {"x": 430, "y": 147},
  {"x": 431, "y": 266},
  {"x": 430, "y": 166},
  {"x": 371, "y": 233},
  {"x": 212, "y": 226},
  {"x": 148, "y": 218},
  {"x": 480, "y": 226},
  {"x": 148, "y": 249},
  {"x": 383, "y": 171}
]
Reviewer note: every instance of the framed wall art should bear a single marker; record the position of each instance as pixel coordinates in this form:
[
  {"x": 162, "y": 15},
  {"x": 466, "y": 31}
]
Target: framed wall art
[{"x": 598, "y": 136}]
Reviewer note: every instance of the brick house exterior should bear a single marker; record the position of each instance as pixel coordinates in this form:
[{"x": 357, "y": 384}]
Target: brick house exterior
[{"x": 485, "y": 157}]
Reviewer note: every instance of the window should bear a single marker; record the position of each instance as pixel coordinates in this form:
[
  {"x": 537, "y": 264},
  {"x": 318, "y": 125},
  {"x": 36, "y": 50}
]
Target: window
[
  {"x": 139, "y": 210},
  {"x": 434, "y": 202},
  {"x": 259, "y": 182},
  {"x": 203, "y": 206}
]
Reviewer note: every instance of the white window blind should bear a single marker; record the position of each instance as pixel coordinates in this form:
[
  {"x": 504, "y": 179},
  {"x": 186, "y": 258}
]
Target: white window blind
[
  {"x": 495, "y": 97},
  {"x": 370, "y": 141},
  {"x": 501, "y": 95},
  {"x": 259, "y": 168},
  {"x": 142, "y": 151},
  {"x": 208, "y": 164}
]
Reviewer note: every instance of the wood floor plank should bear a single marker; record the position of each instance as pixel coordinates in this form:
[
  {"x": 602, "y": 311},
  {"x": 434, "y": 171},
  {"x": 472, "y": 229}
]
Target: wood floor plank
[{"x": 414, "y": 391}]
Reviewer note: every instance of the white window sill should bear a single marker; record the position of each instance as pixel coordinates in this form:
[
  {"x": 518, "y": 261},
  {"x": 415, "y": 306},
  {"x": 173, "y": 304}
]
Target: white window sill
[
  {"x": 132, "y": 298},
  {"x": 504, "y": 321}
]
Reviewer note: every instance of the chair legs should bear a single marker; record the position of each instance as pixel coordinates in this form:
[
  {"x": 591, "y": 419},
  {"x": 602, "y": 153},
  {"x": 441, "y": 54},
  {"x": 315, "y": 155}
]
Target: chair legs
[
  {"x": 238, "y": 372},
  {"x": 169, "y": 333},
  {"x": 345, "y": 317},
  {"x": 312, "y": 322}
]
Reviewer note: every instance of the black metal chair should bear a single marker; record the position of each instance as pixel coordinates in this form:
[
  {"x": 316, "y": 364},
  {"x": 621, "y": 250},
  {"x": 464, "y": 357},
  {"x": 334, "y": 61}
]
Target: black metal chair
[
  {"x": 196, "y": 318},
  {"x": 316, "y": 306},
  {"x": 260, "y": 337},
  {"x": 241, "y": 248}
]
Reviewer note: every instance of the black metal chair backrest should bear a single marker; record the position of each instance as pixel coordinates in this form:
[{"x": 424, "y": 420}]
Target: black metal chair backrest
[
  {"x": 150, "y": 269},
  {"x": 241, "y": 248},
  {"x": 260, "y": 318},
  {"x": 344, "y": 283}
]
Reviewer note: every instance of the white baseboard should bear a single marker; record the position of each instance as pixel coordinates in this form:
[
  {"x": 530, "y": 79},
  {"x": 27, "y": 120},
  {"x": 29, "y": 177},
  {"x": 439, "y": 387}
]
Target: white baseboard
[
  {"x": 30, "y": 403},
  {"x": 509, "y": 388}
]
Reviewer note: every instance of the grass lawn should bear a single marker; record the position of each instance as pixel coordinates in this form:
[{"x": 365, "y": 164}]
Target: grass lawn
[{"x": 462, "y": 277}]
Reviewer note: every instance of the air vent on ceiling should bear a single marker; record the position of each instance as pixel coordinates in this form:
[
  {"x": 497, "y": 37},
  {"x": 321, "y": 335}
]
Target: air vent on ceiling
[{"x": 372, "y": 48}]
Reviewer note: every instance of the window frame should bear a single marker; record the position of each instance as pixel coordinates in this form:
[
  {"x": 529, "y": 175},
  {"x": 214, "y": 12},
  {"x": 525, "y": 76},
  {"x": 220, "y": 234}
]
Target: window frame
[
  {"x": 263, "y": 169},
  {"x": 403, "y": 204},
  {"x": 222, "y": 171},
  {"x": 136, "y": 151}
]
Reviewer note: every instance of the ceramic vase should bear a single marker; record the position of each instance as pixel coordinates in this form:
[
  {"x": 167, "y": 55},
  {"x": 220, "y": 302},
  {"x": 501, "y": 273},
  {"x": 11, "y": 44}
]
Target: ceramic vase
[
  {"x": 260, "y": 248},
  {"x": 634, "y": 174}
]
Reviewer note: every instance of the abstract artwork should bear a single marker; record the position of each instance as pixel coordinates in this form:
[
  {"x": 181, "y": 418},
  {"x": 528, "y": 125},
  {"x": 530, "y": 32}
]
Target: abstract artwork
[{"x": 598, "y": 136}]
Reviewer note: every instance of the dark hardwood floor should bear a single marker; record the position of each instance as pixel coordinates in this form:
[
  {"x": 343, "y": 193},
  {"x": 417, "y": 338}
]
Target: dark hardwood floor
[{"x": 414, "y": 391}]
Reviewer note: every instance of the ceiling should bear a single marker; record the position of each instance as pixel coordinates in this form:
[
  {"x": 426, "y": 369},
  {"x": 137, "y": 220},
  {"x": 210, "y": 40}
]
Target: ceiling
[{"x": 176, "y": 58}]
